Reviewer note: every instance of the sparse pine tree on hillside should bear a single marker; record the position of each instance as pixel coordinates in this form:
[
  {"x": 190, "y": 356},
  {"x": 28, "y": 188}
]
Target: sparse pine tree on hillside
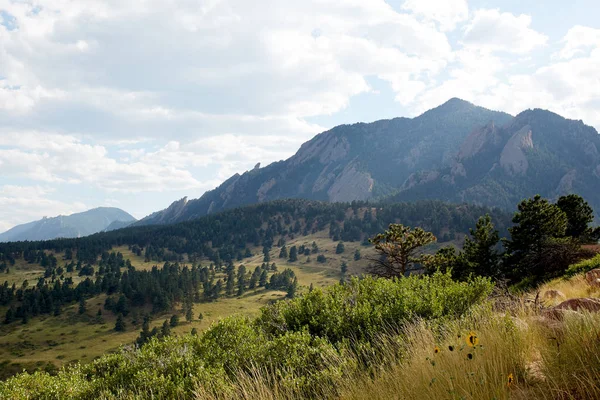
[
  {"x": 481, "y": 249},
  {"x": 82, "y": 307},
  {"x": 579, "y": 216},
  {"x": 293, "y": 254},
  {"x": 340, "y": 248},
  {"x": 399, "y": 248},
  {"x": 263, "y": 278},
  {"x": 120, "y": 324},
  {"x": 283, "y": 253}
]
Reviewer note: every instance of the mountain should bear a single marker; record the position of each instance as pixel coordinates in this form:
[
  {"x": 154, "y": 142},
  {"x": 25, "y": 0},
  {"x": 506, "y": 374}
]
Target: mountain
[
  {"x": 349, "y": 162},
  {"x": 537, "y": 152},
  {"x": 70, "y": 226}
]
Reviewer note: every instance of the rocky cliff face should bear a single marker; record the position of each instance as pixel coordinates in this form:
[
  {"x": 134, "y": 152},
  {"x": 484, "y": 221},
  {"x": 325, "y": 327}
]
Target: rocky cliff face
[{"x": 537, "y": 152}]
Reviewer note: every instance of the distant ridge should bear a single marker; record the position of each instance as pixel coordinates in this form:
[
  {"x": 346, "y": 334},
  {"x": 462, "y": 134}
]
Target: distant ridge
[{"x": 70, "y": 226}]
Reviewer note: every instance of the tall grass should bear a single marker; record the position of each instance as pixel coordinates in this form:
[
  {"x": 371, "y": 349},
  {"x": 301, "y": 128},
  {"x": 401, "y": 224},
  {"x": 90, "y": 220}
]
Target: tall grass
[{"x": 517, "y": 357}]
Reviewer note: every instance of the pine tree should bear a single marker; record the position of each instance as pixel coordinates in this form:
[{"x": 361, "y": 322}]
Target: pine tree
[
  {"x": 254, "y": 278},
  {"x": 174, "y": 320},
  {"x": 189, "y": 314},
  {"x": 241, "y": 280},
  {"x": 230, "y": 285},
  {"x": 538, "y": 224},
  {"x": 293, "y": 254},
  {"x": 480, "y": 250},
  {"x": 340, "y": 248},
  {"x": 166, "y": 329},
  {"x": 120, "y": 324},
  {"x": 344, "y": 268},
  {"x": 283, "y": 253},
  {"x": 399, "y": 248},
  {"x": 357, "y": 255},
  {"x": 82, "y": 308},
  {"x": 263, "y": 278},
  {"x": 292, "y": 288}
]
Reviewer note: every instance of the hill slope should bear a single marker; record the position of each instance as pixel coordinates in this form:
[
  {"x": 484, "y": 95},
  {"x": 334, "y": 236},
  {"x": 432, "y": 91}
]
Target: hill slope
[
  {"x": 70, "y": 226},
  {"x": 349, "y": 162}
]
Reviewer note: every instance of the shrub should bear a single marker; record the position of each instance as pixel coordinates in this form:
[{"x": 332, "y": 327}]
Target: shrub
[
  {"x": 363, "y": 308},
  {"x": 583, "y": 266}
]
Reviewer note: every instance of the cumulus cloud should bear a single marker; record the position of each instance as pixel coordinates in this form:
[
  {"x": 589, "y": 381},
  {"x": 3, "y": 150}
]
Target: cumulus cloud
[
  {"x": 493, "y": 30},
  {"x": 578, "y": 41},
  {"x": 447, "y": 13}
]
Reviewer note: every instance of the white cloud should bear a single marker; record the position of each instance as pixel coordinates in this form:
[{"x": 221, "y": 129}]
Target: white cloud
[
  {"x": 492, "y": 30},
  {"x": 448, "y": 13},
  {"x": 55, "y": 158},
  {"x": 578, "y": 40}
]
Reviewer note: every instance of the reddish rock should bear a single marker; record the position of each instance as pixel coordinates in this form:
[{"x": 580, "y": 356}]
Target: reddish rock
[
  {"x": 585, "y": 304},
  {"x": 593, "y": 277},
  {"x": 553, "y": 295}
]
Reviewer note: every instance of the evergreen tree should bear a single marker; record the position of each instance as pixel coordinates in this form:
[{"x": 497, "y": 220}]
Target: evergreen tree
[
  {"x": 230, "y": 285},
  {"x": 344, "y": 268},
  {"x": 174, "y": 321},
  {"x": 266, "y": 255},
  {"x": 399, "y": 248},
  {"x": 314, "y": 248},
  {"x": 357, "y": 255},
  {"x": 537, "y": 225},
  {"x": 254, "y": 278},
  {"x": 340, "y": 248},
  {"x": 82, "y": 308},
  {"x": 481, "y": 249},
  {"x": 283, "y": 253},
  {"x": 120, "y": 324},
  {"x": 293, "y": 254},
  {"x": 292, "y": 289},
  {"x": 241, "y": 280},
  {"x": 194, "y": 332},
  {"x": 579, "y": 216},
  {"x": 189, "y": 314},
  {"x": 166, "y": 329},
  {"x": 263, "y": 278}
]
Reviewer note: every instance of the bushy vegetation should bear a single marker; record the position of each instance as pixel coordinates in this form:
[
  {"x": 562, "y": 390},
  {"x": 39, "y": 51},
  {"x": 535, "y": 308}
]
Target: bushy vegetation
[{"x": 308, "y": 343}]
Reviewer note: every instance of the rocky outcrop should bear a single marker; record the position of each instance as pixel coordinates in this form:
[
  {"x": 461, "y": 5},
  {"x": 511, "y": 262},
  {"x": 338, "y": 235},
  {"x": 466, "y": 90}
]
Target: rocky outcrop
[
  {"x": 513, "y": 158},
  {"x": 263, "y": 190},
  {"x": 553, "y": 294},
  {"x": 593, "y": 278},
  {"x": 327, "y": 148},
  {"x": 351, "y": 183},
  {"x": 580, "y": 304},
  {"x": 565, "y": 186},
  {"x": 480, "y": 139}
]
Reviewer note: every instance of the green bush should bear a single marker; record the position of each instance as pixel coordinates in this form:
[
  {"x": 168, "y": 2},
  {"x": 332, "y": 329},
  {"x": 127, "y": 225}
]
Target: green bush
[
  {"x": 366, "y": 307},
  {"x": 583, "y": 266}
]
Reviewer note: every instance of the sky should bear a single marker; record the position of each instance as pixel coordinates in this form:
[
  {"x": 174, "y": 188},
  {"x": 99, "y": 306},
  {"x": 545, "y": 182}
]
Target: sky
[{"x": 137, "y": 103}]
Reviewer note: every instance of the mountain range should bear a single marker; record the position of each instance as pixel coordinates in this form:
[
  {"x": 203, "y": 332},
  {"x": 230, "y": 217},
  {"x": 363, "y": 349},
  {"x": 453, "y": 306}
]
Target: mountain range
[
  {"x": 456, "y": 152},
  {"x": 70, "y": 226}
]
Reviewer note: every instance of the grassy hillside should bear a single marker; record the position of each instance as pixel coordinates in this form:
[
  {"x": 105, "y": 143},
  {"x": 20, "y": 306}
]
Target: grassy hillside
[{"x": 48, "y": 341}]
